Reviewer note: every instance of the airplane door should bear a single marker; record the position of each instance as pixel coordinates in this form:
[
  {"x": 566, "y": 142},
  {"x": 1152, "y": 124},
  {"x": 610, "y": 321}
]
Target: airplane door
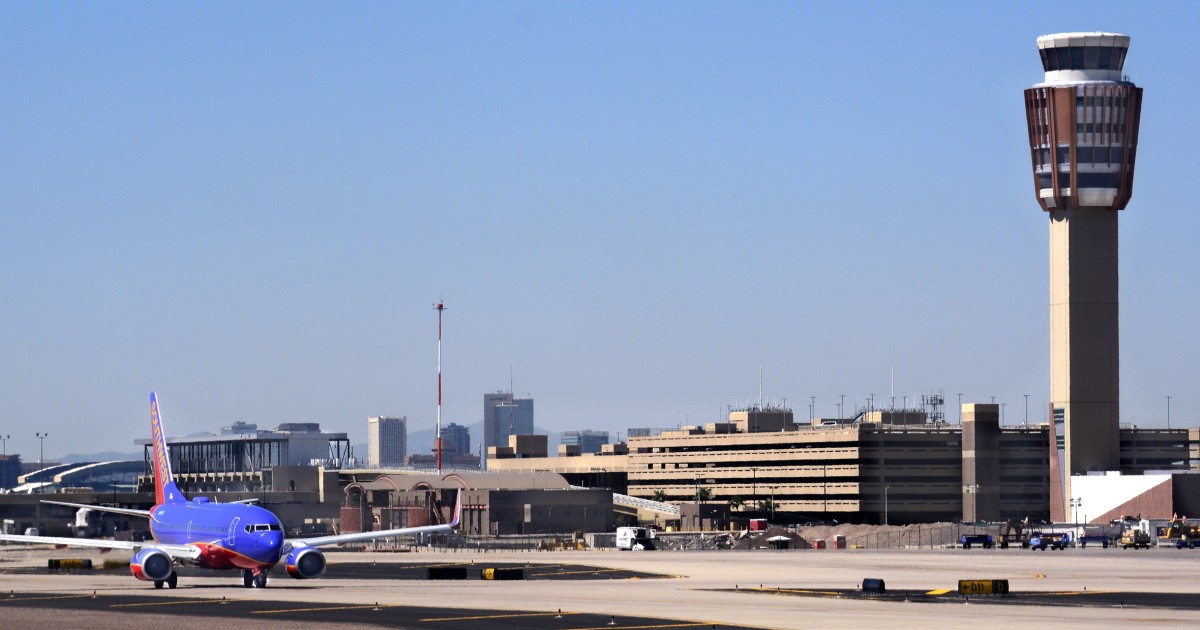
[{"x": 231, "y": 539}]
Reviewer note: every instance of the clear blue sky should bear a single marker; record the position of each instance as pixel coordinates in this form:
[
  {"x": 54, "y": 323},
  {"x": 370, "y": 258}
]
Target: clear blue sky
[{"x": 251, "y": 208}]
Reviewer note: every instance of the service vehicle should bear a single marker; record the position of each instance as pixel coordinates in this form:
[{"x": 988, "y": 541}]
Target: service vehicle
[{"x": 635, "y": 538}]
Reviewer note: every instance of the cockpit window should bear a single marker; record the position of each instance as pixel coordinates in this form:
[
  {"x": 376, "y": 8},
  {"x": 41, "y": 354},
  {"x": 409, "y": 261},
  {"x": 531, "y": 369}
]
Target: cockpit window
[{"x": 275, "y": 527}]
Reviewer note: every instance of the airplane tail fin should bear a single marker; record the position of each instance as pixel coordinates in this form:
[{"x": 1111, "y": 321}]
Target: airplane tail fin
[
  {"x": 457, "y": 509},
  {"x": 165, "y": 490}
]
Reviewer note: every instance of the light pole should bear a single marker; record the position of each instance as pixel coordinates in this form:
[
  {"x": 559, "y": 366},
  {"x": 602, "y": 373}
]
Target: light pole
[
  {"x": 1168, "y": 412},
  {"x": 754, "y": 484},
  {"x": 841, "y": 406},
  {"x": 772, "y": 504},
  {"x": 960, "y": 408},
  {"x": 885, "y": 504},
  {"x": 4, "y": 439},
  {"x": 41, "y": 451},
  {"x": 697, "y": 477},
  {"x": 1026, "y": 408}
]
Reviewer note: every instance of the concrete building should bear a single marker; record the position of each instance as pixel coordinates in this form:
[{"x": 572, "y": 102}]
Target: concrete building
[
  {"x": 387, "y": 440},
  {"x": 504, "y": 415},
  {"x": 289, "y": 444},
  {"x": 866, "y": 471},
  {"x": 1083, "y": 132},
  {"x": 586, "y": 441},
  {"x": 10, "y": 469},
  {"x": 456, "y": 439},
  {"x": 493, "y": 504}
]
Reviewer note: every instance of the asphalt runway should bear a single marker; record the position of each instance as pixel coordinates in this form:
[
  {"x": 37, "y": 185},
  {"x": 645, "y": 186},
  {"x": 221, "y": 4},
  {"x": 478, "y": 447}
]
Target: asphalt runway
[
  {"x": 42, "y": 608},
  {"x": 1096, "y": 599},
  {"x": 1085, "y": 588}
]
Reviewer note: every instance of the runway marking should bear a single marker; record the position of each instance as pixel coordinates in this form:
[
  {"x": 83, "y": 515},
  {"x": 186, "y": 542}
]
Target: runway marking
[
  {"x": 508, "y": 616},
  {"x": 591, "y": 571},
  {"x": 322, "y": 609},
  {"x": 174, "y": 603},
  {"x": 939, "y": 591},
  {"x": 662, "y": 625},
  {"x": 39, "y": 599}
]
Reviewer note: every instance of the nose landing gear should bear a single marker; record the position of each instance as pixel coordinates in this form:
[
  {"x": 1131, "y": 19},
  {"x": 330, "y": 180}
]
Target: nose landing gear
[{"x": 251, "y": 579}]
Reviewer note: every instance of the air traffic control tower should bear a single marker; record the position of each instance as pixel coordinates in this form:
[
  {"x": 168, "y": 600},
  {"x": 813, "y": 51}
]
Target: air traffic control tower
[{"x": 1083, "y": 131}]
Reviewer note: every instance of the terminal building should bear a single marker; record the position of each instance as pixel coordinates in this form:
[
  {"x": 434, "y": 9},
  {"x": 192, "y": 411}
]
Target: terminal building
[{"x": 882, "y": 466}]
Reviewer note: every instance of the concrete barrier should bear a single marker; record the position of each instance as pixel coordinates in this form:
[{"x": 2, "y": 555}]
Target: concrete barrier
[
  {"x": 494, "y": 573},
  {"x": 447, "y": 573}
]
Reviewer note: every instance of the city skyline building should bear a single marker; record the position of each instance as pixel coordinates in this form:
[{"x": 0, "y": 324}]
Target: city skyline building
[
  {"x": 387, "y": 440},
  {"x": 588, "y": 441},
  {"x": 504, "y": 415},
  {"x": 1083, "y": 132},
  {"x": 456, "y": 439}
]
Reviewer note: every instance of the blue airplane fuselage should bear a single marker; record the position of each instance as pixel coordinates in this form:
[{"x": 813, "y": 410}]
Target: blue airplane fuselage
[{"x": 229, "y": 535}]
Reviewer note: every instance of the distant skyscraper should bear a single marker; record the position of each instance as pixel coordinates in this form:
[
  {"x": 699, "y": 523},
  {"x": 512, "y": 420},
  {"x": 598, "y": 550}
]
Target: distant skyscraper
[
  {"x": 504, "y": 415},
  {"x": 456, "y": 439},
  {"x": 387, "y": 440},
  {"x": 588, "y": 441},
  {"x": 1083, "y": 134}
]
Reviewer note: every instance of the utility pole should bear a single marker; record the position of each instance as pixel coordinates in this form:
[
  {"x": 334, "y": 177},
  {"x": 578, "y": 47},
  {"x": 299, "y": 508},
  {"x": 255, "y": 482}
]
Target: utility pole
[
  {"x": 439, "y": 307},
  {"x": 41, "y": 452}
]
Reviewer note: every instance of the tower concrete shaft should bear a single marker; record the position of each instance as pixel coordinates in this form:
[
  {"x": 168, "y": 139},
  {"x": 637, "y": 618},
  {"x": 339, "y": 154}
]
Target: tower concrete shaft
[{"x": 1083, "y": 130}]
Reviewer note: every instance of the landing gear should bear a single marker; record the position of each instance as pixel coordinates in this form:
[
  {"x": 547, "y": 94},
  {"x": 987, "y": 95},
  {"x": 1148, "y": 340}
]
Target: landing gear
[
  {"x": 173, "y": 581},
  {"x": 250, "y": 580},
  {"x": 158, "y": 583}
]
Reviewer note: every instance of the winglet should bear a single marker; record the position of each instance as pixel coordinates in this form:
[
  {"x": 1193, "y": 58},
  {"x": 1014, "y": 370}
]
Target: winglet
[
  {"x": 457, "y": 509},
  {"x": 165, "y": 490}
]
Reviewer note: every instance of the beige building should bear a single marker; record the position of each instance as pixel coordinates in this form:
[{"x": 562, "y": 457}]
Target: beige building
[{"x": 866, "y": 471}]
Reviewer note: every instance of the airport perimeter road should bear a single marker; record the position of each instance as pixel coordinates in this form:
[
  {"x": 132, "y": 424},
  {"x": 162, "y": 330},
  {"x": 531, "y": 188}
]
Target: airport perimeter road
[{"x": 703, "y": 589}]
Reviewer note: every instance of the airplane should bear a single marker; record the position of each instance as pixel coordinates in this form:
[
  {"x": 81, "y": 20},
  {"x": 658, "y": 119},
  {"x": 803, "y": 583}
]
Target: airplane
[{"x": 219, "y": 536}]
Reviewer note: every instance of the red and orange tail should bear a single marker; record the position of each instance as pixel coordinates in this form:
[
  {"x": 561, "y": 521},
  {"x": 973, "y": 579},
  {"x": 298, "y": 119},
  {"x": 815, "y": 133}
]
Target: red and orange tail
[{"x": 165, "y": 490}]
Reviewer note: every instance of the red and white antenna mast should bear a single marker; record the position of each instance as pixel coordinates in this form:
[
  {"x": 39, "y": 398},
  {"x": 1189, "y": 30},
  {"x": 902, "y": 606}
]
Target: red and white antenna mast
[{"x": 439, "y": 307}]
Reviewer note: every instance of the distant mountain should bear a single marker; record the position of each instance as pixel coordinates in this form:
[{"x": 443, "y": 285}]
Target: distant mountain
[{"x": 103, "y": 456}]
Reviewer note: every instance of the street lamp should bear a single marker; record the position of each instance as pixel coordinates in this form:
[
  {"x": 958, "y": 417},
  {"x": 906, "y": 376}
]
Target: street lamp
[
  {"x": 754, "y": 484},
  {"x": 1076, "y": 503},
  {"x": 41, "y": 451}
]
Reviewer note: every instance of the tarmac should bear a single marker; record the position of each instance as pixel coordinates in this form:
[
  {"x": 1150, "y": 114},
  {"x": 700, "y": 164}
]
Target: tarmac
[{"x": 1091, "y": 587}]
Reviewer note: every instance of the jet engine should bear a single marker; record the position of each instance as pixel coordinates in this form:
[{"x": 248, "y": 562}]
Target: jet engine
[
  {"x": 151, "y": 565},
  {"x": 305, "y": 563}
]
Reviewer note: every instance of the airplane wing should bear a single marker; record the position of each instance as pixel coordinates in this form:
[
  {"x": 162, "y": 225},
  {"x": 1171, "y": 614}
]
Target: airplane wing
[
  {"x": 175, "y": 551},
  {"x": 325, "y": 541},
  {"x": 104, "y": 508},
  {"x": 337, "y": 539}
]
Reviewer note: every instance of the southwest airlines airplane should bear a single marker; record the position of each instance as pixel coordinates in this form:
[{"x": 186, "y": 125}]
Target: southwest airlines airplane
[{"x": 223, "y": 536}]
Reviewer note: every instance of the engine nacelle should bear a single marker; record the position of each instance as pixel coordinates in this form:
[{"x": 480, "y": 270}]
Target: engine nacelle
[
  {"x": 151, "y": 565},
  {"x": 305, "y": 563}
]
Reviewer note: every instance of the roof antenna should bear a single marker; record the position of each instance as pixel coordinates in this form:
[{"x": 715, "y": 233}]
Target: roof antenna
[{"x": 760, "y": 381}]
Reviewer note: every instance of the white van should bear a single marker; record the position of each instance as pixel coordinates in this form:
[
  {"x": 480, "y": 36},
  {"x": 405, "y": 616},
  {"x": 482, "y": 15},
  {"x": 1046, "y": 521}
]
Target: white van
[{"x": 635, "y": 538}]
